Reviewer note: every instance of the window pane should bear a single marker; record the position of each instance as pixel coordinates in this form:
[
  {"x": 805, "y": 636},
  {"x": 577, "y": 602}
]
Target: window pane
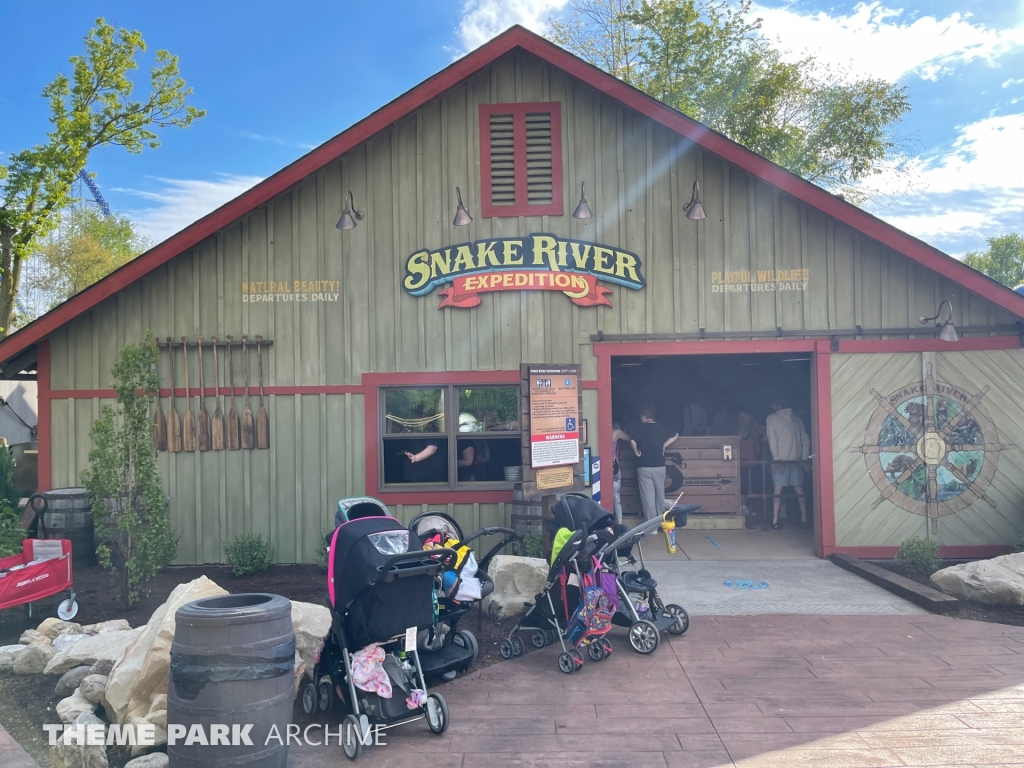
[
  {"x": 413, "y": 410},
  {"x": 431, "y": 467},
  {"x": 489, "y": 409},
  {"x": 483, "y": 460}
]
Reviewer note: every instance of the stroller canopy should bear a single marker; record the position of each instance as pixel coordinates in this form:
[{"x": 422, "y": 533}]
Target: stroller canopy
[
  {"x": 575, "y": 512},
  {"x": 430, "y": 523},
  {"x": 359, "y": 507},
  {"x": 358, "y": 549}
]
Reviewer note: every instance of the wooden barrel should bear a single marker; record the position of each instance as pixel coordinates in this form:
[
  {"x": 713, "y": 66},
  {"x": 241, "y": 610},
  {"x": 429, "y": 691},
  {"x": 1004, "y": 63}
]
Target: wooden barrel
[
  {"x": 232, "y": 663},
  {"x": 526, "y": 514},
  {"x": 68, "y": 515}
]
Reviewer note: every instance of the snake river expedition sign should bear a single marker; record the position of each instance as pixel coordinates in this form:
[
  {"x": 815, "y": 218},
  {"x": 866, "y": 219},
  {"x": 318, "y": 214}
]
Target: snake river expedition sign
[{"x": 537, "y": 262}]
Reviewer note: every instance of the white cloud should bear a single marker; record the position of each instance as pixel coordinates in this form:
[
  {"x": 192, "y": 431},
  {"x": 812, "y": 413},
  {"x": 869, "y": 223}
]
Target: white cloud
[
  {"x": 881, "y": 42},
  {"x": 277, "y": 140},
  {"x": 484, "y": 19},
  {"x": 970, "y": 193},
  {"x": 179, "y": 202}
]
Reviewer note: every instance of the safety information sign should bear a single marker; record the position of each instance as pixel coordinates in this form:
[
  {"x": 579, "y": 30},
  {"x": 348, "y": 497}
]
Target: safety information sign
[{"x": 554, "y": 417}]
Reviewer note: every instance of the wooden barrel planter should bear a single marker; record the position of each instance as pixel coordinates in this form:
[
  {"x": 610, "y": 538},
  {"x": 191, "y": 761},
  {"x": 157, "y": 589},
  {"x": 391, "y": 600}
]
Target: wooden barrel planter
[
  {"x": 232, "y": 663},
  {"x": 67, "y": 514},
  {"x": 526, "y": 514}
]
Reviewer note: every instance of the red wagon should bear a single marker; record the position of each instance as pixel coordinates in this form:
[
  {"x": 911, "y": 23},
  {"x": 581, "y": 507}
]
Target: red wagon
[{"x": 42, "y": 569}]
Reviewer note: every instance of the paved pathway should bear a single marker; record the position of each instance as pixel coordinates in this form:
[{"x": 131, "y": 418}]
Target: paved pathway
[
  {"x": 11, "y": 753},
  {"x": 754, "y": 692}
]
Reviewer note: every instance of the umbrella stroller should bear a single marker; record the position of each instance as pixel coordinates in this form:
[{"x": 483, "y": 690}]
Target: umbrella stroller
[
  {"x": 381, "y": 586},
  {"x": 446, "y": 650}
]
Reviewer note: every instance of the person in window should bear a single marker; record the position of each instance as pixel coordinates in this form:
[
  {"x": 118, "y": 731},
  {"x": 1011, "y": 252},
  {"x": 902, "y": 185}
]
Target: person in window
[
  {"x": 424, "y": 463},
  {"x": 649, "y": 442},
  {"x": 474, "y": 456}
]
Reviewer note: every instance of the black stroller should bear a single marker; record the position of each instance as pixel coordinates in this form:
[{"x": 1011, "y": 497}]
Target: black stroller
[
  {"x": 446, "y": 650},
  {"x": 380, "y": 582}
]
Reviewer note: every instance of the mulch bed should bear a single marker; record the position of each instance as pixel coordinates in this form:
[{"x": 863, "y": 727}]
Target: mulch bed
[
  {"x": 28, "y": 701},
  {"x": 969, "y": 609}
]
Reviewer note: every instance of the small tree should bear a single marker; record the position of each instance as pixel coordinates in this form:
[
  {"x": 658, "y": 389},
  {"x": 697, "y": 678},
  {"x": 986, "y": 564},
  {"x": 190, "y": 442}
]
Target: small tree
[
  {"x": 128, "y": 502},
  {"x": 1003, "y": 261}
]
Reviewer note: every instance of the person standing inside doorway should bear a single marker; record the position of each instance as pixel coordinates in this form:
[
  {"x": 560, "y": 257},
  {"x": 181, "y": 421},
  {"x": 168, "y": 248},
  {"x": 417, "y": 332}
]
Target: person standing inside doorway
[
  {"x": 789, "y": 445},
  {"x": 649, "y": 442}
]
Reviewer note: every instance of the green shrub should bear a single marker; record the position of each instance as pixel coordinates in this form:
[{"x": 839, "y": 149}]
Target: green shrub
[
  {"x": 320, "y": 559},
  {"x": 920, "y": 556},
  {"x": 249, "y": 553},
  {"x": 11, "y": 532},
  {"x": 7, "y": 491},
  {"x": 529, "y": 546}
]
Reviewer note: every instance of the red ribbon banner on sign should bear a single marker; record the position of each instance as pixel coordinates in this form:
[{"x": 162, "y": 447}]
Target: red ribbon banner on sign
[{"x": 583, "y": 290}]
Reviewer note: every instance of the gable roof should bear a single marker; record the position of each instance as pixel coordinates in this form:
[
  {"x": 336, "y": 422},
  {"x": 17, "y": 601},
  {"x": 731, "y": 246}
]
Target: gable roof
[{"x": 515, "y": 37}]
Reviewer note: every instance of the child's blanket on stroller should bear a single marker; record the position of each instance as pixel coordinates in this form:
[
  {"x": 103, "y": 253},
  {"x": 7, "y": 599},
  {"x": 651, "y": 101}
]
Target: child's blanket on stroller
[{"x": 599, "y": 600}]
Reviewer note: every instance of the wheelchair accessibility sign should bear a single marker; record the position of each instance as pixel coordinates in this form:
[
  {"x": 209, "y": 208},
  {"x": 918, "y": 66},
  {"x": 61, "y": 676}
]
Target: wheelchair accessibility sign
[{"x": 570, "y": 425}]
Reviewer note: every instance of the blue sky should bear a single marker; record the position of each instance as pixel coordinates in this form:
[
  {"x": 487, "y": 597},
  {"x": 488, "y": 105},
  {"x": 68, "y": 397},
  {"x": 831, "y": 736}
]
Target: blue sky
[{"x": 278, "y": 78}]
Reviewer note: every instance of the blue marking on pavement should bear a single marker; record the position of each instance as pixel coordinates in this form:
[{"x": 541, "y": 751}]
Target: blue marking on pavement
[
  {"x": 713, "y": 542},
  {"x": 746, "y": 584}
]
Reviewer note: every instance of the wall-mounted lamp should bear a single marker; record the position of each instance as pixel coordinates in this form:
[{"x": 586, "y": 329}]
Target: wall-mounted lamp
[
  {"x": 349, "y": 216},
  {"x": 582, "y": 210},
  {"x": 948, "y": 330},
  {"x": 462, "y": 217},
  {"x": 694, "y": 209}
]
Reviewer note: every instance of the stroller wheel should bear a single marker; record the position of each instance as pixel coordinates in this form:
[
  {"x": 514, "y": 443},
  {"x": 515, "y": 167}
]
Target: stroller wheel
[
  {"x": 308, "y": 698},
  {"x": 644, "y": 637},
  {"x": 538, "y": 638},
  {"x": 566, "y": 663},
  {"x": 577, "y": 657},
  {"x": 682, "y": 619},
  {"x": 437, "y": 713},
  {"x": 325, "y": 697},
  {"x": 596, "y": 651},
  {"x": 467, "y": 639},
  {"x": 352, "y": 737},
  {"x": 549, "y": 637},
  {"x": 517, "y": 646},
  {"x": 505, "y": 648},
  {"x": 607, "y": 646}
]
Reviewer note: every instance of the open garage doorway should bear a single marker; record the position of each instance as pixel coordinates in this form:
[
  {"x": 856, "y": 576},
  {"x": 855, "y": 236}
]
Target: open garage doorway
[{"x": 720, "y": 406}]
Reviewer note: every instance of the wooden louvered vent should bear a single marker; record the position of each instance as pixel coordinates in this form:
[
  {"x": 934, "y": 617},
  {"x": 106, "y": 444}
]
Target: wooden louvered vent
[{"x": 521, "y": 159}]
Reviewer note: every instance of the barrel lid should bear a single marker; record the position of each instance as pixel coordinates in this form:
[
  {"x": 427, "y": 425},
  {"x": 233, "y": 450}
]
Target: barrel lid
[{"x": 58, "y": 492}]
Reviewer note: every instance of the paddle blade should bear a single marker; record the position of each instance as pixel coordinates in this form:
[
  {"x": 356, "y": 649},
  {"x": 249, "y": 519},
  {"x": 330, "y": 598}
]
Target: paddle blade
[
  {"x": 234, "y": 442},
  {"x": 247, "y": 441},
  {"x": 188, "y": 432},
  {"x": 160, "y": 430},
  {"x": 218, "y": 430},
  {"x": 174, "y": 433},
  {"x": 205, "y": 430},
  {"x": 262, "y": 428}
]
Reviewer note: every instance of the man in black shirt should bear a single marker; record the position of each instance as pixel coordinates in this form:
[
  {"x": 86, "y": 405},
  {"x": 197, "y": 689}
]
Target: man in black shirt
[{"x": 649, "y": 443}]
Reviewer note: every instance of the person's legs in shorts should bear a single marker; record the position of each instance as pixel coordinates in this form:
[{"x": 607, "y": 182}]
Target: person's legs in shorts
[{"x": 785, "y": 474}]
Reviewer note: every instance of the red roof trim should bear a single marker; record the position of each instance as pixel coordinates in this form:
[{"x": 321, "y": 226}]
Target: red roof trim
[{"x": 447, "y": 78}]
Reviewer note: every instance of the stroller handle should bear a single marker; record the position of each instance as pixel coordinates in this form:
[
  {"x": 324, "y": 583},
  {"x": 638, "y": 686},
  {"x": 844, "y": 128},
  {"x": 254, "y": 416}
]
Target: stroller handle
[
  {"x": 431, "y": 562},
  {"x": 488, "y": 532}
]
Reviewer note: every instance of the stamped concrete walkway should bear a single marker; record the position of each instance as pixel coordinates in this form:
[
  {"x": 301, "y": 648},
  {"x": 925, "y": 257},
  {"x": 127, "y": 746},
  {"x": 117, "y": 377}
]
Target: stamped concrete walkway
[{"x": 756, "y": 692}]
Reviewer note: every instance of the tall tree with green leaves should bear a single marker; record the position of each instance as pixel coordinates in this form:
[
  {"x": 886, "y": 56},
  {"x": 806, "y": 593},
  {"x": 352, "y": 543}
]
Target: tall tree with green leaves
[
  {"x": 93, "y": 107},
  {"x": 1003, "y": 261},
  {"x": 708, "y": 60}
]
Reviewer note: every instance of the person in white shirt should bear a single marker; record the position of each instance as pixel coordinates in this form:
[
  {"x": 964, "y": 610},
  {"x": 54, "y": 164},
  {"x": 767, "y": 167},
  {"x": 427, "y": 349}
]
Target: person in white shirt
[{"x": 789, "y": 445}]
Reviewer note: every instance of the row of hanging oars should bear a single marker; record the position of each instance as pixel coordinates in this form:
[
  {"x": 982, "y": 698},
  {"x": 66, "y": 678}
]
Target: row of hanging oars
[{"x": 204, "y": 433}]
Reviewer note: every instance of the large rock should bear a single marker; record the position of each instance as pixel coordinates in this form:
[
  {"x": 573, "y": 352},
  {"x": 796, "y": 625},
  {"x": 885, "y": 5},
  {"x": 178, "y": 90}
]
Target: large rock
[
  {"x": 33, "y": 659},
  {"x": 33, "y": 636},
  {"x": 137, "y": 689},
  {"x": 517, "y": 581},
  {"x": 92, "y": 687},
  {"x": 52, "y": 627},
  {"x": 70, "y": 681},
  {"x": 114, "y": 625},
  {"x": 311, "y": 623},
  {"x": 152, "y": 760},
  {"x": 70, "y": 708},
  {"x": 102, "y": 667},
  {"x": 110, "y": 645},
  {"x": 999, "y": 581},
  {"x": 63, "y": 642},
  {"x": 8, "y": 655},
  {"x": 77, "y": 753}
]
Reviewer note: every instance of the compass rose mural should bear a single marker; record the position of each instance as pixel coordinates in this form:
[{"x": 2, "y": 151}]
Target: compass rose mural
[{"x": 931, "y": 448}]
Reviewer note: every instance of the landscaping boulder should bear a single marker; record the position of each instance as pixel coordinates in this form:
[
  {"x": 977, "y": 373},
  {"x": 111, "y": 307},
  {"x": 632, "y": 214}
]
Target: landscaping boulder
[
  {"x": 102, "y": 667},
  {"x": 92, "y": 687},
  {"x": 70, "y": 708},
  {"x": 114, "y": 625},
  {"x": 517, "y": 581},
  {"x": 152, "y": 760},
  {"x": 63, "y": 642},
  {"x": 70, "y": 681},
  {"x": 311, "y": 623},
  {"x": 110, "y": 645},
  {"x": 137, "y": 689},
  {"x": 999, "y": 581},
  {"x": 33, "y": 636},
  {"x": 52, "y": 627},
  {"x": 70, "y": 752},
  {"x": 8, "y": 655},
  {"x": 33, "y": 659}
]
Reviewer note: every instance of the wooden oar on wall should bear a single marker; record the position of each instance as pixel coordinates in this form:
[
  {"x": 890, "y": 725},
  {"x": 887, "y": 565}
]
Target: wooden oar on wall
[
  {"x": 174, "y": 424},
  {"x": 247, "y": 436},
  {"x": 233, "y": 426},
  {"x": 262, "y": 420},
  {"x": 218, "y": 414},
  {"x": 205, "y": 432},
  {"x": 188, "y": 427},
  {"x": 159, "y": 422}
]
